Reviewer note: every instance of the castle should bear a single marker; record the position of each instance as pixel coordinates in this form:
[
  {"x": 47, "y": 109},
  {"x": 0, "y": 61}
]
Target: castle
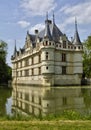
[{"x": 48, "y": 58}]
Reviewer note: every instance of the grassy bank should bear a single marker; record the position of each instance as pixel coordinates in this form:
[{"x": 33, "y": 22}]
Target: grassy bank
[
  {"x": 45, "y": 125},
  {"x": 68, "y": 120}
]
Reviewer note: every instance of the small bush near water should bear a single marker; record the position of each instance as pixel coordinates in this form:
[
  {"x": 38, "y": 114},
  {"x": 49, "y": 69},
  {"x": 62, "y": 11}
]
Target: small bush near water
[{"x": 65, "y": 115}]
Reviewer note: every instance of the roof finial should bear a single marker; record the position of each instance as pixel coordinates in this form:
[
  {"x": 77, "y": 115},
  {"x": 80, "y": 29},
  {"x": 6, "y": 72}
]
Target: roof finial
[
  {"x": 53, "y": 17},
  {"x": 75, "y": 24},
  {"x": 27, "y": 31},
  {"x": 46, "y": 15},
  {"x": 15, "y": 50}
]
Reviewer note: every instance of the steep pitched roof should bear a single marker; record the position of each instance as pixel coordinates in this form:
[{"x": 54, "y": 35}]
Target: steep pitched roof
[
  {"x": 56, "y": 33},
  {"x": 32, "y": 38},
  {"x": 51, "y": 30},
  {"x": 47, "y": 32}
]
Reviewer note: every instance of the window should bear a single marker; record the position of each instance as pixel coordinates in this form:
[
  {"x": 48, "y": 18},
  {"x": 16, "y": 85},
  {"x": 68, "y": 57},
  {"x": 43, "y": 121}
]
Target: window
[
  {"x": 17, "y": 74},
  {"x": 39, "y": 70},
  {"x": 32, "y": 98},
  {"x": 39, "y": 58},
  {"x": 20, "y": 64},
  {"x": 63, "y": 57},
  {"x": 64, "y": 101},
  {"x": 16, "y": 65},
  {"x": 79, "y": 47},
  {"x": 39, "y": 100},
  {"x": 20, "y": 73},
  {"x": 26, "y": 72},
  {"x": 26, "y": 62},
  {"x": 32, "y": 62},
  {"x": 64, "y": 44},
  {"x": 46, "y": 43},
  {"x": 46, "y": 67},
  {"x": 63, "y": 69},
  {"x": 32, "y": 71},
  {"x": 68, "y": 46},
  {"x": 46, "y": 55},
  {"x": 26, "y": 96}
]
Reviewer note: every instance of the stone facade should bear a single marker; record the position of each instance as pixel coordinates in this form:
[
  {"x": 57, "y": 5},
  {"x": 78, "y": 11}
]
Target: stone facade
[{"x": 48, "y": 58}]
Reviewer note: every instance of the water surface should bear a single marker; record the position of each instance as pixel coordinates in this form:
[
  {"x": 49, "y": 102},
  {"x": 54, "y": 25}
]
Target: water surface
[
  {"x": 5, "y": 101},
  {"x": 51, "y": 100},
  {"x": 45, "y": 100}
]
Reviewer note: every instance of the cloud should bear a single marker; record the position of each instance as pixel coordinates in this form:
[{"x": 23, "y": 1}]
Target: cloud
[
  {"x": 82, "y": 11},
  {"x": 38, "y": 7},
  {"x": 37, "y": 26},
  {"x": 23, "y": 24}
]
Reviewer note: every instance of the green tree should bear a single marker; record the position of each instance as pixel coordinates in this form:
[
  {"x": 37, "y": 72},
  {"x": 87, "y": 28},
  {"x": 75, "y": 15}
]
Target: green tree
[
  {"x": 3, "y": 50},
  {"x": 5, "y": 70},
  {"x": 87, "y": 57}
]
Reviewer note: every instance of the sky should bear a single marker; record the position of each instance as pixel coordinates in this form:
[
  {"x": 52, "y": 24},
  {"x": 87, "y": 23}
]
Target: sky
[{"x": 18, "y": 16}]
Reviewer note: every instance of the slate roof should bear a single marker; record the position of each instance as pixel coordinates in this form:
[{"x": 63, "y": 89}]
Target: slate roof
[
  {"x": 52, "y": 31},
  {"x": 76, "y": 39}
]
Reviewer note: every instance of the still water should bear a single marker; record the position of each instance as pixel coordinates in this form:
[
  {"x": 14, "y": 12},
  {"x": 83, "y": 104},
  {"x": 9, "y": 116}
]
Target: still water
[
  {"x": 45, "y": 100},
  {"x": 5, "y": 101}
]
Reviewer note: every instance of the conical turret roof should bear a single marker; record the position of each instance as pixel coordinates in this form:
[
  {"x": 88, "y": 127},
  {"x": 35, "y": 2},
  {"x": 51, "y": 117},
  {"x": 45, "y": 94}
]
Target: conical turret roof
[
  {"x": 15, "y": 49},
  {"x": 76, "y": 39},
  {"x": 47, "y": 33}
]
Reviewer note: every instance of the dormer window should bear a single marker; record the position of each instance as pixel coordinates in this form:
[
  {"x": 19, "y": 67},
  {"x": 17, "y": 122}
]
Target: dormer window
[
  {"x": 46, "y": 43},
  {"x": 79, "y": 47}
]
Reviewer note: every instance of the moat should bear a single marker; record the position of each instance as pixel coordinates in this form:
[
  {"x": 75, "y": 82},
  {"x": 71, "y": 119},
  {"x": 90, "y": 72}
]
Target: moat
[{"x": 45, "y": 100}]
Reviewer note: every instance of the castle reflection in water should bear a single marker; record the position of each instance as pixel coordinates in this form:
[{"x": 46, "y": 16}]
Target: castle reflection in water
[{"x": 50, "y": 100}]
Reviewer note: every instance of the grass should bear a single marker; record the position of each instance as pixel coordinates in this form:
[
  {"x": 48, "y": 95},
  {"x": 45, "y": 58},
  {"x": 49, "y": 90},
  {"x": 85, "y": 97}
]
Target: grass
[
  {"x": 45, "y": 125},
  {"x": 68, "y": 120},
  {"x": 65, "y": 115}
]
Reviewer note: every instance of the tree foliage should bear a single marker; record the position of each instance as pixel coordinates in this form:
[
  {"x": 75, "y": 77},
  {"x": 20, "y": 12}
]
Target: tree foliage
[
  {"x": 3, "y": 50},
  {"x": 87, "y": 57},
  {"x": 5, "y": 70}
]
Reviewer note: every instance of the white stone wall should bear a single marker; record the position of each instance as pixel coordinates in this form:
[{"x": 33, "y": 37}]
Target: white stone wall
[
  {"x": 78, "y": 67},
  {"x": 51, "y": 66}
]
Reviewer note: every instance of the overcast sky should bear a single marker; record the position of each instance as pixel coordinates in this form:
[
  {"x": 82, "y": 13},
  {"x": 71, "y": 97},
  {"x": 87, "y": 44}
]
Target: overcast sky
[{"x": 18, "y": 16}]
